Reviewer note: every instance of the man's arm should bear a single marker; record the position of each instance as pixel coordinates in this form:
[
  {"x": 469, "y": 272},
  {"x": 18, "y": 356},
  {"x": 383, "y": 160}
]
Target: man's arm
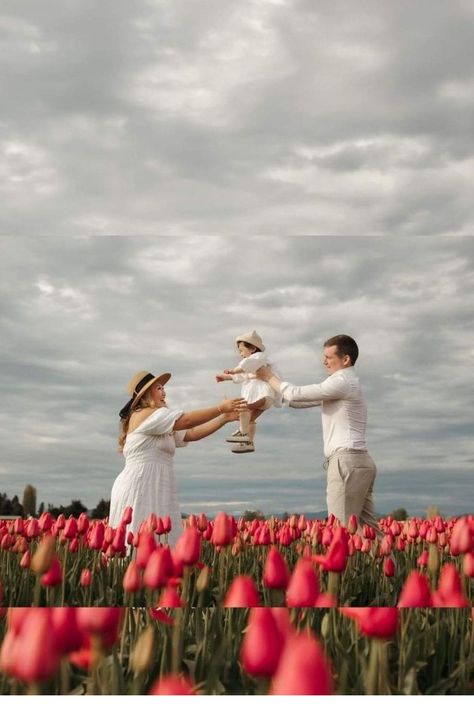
[{"x": 330, "y": 389}]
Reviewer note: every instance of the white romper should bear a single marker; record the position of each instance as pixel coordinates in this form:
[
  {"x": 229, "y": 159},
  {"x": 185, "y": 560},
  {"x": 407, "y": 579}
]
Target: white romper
[{"x": 253, "y": 388}]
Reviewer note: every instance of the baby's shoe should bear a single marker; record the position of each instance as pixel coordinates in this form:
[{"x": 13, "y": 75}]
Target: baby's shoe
[
  {"x": 237, "y": 436},
  {"x": 243, "y": 448}
]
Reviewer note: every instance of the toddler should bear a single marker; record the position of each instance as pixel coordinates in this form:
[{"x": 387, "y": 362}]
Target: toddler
[{"x": 258, "y": 394}]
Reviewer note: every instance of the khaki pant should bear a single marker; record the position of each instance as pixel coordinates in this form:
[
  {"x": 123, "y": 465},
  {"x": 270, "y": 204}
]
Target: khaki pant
[{"x": 351, "y": 475}]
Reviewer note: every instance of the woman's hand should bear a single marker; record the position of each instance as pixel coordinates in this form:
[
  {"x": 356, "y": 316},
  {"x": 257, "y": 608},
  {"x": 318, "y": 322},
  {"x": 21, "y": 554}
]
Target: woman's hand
[
  {"x": 230, "y": 416},
  {"x": 233, "y": 405}
]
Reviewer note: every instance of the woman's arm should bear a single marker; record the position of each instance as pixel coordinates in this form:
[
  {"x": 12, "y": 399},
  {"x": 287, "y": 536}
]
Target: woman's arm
[
  {"x": 199, "y": 417},
  {"x": 209, "y": 428}
]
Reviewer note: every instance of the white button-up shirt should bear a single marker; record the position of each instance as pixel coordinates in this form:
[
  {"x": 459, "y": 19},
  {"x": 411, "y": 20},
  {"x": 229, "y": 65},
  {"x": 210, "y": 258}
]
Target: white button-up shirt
[{"x": 343, "y": 408}]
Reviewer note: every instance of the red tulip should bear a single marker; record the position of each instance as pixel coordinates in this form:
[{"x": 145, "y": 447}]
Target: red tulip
[
  {"x": 82, "y": 523},
  {"x": 335, "y": 558},
  {"x": 131, "y": 580},
  {"x": 86, "y": 578},
  {"x": 467, "y": 565},
  {"x": 32, "y": 529},
  {"x": 462, "y": 538},
  {"x": 202, "y": 522},
  {"x": 170, "y": 598},
  {"x": 67, "y": 635},
  {"x": 96, "y": 535},
  {"x": 32, "y": 655},
  {"x": 380, "y": 622},
  {"x": 449, "y": 592},
  {"x": 389, "y": 567},
  {"x": 275, "y": 574},
  {"x": 172, "y": 685},
  {"x": 303, "y": 588},
  {"x": 415, "y": 592},
  {"x": 102, "y": 622},
  {"x": 127, "y": 515},
  {"x": 422, "y": 559},
  {"x": 166, "y": 524},
  {"x": 262, "y": 644},
  {"x": 118, "y": 541},
  {"x": 353, "y": 524},
  {"x": 303, "y": 669},
  {"x": 158, "y": 568},
  {"x": 222, "y": 531},
  {"x": 146, "y": 546},
  {"x": 188, "y": 546},
  {"x": 25, "y": 560},
  {"x": 242, "y": 593},
  {"x": 54, "y": 575},
  {"x": 70, "y": 528}
]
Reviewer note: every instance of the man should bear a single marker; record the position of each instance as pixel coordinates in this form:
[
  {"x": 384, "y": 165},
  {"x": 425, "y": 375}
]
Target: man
[{"x": 350, "y": 469}]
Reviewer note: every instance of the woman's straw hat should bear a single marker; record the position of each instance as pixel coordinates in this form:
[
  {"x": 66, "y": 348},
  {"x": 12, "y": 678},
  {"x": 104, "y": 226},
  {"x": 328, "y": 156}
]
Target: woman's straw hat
[
  {"x": 138, "y": 385},
  {"x": 253, "y": 338}
]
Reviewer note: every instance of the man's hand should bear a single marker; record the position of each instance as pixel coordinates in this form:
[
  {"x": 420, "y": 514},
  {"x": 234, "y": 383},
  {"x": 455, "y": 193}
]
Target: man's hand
[{"x": 264, "y": 373}]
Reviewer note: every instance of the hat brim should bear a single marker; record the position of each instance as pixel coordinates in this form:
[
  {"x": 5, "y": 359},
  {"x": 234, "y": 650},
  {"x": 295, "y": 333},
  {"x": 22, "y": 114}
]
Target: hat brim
[
  {"x": 162, "y": 379},
  {"x": 249, "y": 340}
]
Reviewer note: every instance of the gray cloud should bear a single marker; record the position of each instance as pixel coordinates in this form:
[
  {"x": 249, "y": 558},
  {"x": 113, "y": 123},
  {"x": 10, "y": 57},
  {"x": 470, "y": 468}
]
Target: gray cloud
[
  {"x": 273, "y": 117},
  {"x": 80, "y": 315}
]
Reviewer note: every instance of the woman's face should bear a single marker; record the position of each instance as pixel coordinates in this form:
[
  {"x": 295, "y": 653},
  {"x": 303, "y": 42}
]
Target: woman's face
[{"x": 157, "y": 391}]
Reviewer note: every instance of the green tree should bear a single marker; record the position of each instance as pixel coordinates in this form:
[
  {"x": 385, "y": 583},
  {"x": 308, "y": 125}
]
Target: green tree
[
  {"x": 399, "y": 514},
  {"x": 101, "y": 510},
  {"x": 29, "y": 500}
]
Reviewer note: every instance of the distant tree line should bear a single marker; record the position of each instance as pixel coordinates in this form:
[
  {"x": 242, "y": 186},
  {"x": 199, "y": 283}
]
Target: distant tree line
[{"x": 13, "y": 507}]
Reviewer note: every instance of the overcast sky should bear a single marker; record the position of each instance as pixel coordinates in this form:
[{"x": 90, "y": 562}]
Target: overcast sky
[
  {"x": 250, "y": 117},
  {"x": 80, "y": 316},
  {"x": 162, "y": 168}
]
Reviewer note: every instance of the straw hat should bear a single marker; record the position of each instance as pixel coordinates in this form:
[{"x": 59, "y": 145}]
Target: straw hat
[
  {"x": 138, "y": 385},
  {"x": 253, "y": 338}
]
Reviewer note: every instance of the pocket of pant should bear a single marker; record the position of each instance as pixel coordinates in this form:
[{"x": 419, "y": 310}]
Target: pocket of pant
[{"x": 343, "y": 469}]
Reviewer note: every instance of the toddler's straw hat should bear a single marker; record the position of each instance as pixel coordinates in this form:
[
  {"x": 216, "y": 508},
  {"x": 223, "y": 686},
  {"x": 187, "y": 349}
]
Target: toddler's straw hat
[{"x": 253, "y": 338}]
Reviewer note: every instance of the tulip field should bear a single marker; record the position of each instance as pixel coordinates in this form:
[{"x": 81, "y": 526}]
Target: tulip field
[
  {"x": 296, "y": 562},
  {"x": 221, "y": 651}
]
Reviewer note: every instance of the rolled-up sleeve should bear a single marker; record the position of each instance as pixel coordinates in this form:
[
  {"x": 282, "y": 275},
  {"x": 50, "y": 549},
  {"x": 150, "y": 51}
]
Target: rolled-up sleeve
[{"x": 333, "y": 388}]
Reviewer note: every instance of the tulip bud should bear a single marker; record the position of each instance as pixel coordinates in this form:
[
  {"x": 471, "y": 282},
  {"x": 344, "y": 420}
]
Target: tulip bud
[
  {"x": 43, "y": 556},
  {"x": 222, "y": 531},
  {"x": 202, "y": 582},
  {"x": 389, "y": 567},
  {"x": 188, "y": 546},
  {"x": 127, "y": 515},
  {"x": 353, "y": 524},
  {"x": 380, "y": 622},
  {"x": 25, "y": 561},
  {"x": 170, "y": 598},
  {"x": 158, "y": 569},
  {"x": 468, "y": 565},
  {"x": 142, "y": 655}
]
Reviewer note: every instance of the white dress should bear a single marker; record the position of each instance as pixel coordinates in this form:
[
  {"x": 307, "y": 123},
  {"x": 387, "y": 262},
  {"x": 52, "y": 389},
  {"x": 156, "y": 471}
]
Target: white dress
[
  {"x": 147, "y": 482},
  {"x": 253, "y": 388}
]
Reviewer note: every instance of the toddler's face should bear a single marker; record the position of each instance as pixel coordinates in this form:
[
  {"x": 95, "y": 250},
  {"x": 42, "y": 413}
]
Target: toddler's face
[{"x": 244, "y": 351}]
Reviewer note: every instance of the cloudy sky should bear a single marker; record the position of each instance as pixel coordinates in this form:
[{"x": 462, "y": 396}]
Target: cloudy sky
[
  {"x": 256, "y": 117},
  {"x": 80, "y": 316},
  {"x": 173, "y": 173}
]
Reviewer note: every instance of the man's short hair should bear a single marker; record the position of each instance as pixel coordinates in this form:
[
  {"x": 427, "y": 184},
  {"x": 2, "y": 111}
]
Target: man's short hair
[{"x": 345, "y": 346}]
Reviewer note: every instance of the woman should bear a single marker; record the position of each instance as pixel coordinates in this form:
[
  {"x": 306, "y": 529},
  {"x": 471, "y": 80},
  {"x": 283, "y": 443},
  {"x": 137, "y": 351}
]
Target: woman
[{"x": 149, "y": 434}]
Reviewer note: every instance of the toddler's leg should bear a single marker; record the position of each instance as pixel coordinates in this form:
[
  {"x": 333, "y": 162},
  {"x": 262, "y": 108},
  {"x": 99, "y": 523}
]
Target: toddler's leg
[
  {"x": 252, "y": 425},
  {"x": 244, "y": 419}
]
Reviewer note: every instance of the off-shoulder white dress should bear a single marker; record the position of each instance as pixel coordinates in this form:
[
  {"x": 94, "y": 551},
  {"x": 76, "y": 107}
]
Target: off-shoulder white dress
[{"x": 147, "y": 482}]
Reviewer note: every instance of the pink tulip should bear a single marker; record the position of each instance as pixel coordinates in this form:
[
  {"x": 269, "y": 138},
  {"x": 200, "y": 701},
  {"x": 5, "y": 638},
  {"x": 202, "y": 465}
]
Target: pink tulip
[
  {"x": 86, "y": 578},
  {"x": 303, "y": 669},
  {"x": 131, "y": 580},
  {"x": 303, "y": 588},
  {"x": 170, "y": 598},
  {"x": 275, "y": 574},
  {"x": 380, "y": 622},
  {"x": 415, "y": 592},
  {"x": 54, "y": 575},
  {"x": 262, "y": 644},
  {"x": 242, "y": 593},
  {"x": 188, "y": 546}
]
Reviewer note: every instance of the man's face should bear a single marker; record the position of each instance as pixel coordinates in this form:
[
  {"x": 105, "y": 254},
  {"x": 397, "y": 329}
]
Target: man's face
[{"x": 333, "y": 362}]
